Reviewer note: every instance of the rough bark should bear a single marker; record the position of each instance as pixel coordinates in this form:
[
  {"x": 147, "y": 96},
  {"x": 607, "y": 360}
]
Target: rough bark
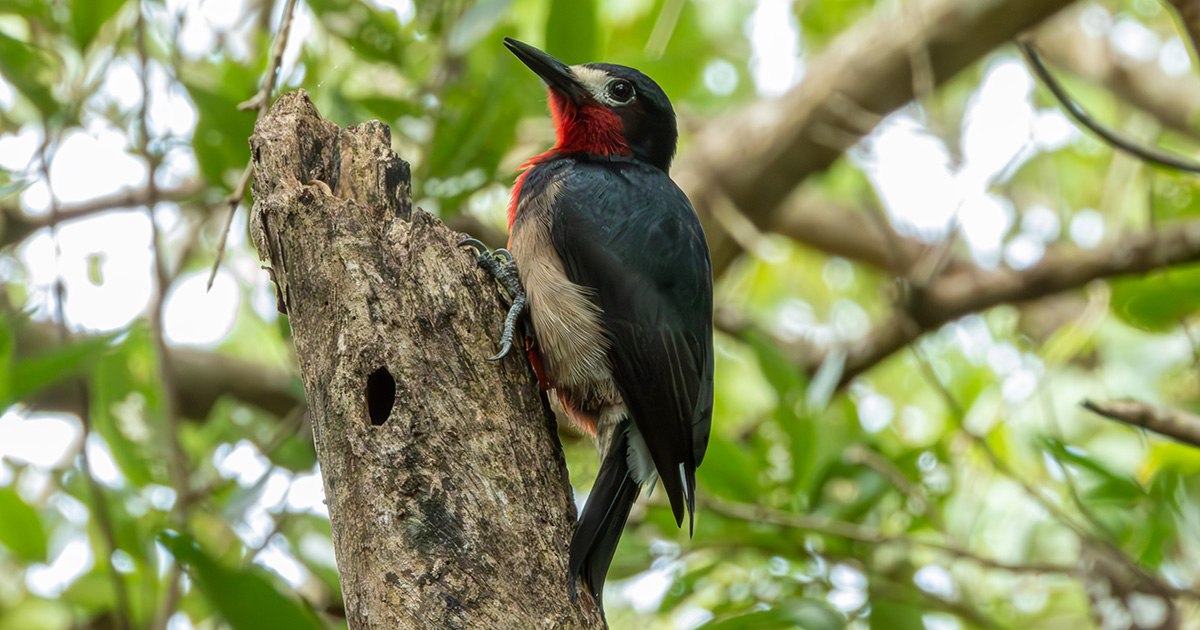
[{"x": 446, "y": 485}]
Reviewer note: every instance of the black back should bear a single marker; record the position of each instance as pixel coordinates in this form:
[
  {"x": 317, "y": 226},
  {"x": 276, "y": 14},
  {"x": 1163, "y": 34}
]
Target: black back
[{"x": 625, "y": 230}]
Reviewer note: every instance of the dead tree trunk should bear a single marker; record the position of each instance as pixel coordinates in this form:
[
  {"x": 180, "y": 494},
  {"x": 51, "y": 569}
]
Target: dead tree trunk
[{"x": 445, "y": 481}]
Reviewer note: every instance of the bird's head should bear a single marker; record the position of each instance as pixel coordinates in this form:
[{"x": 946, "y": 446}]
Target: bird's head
[{"x": 603, "y": 108}]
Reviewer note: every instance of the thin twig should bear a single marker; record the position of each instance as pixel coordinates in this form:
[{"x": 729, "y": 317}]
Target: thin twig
[
  {"x": 1176, "y": 424},
  {"x": 741, "y": 229},
  {"x": 232, "y": 202},
  {"x": 1150, "y": 154},
  {"x": 260, "y": 101}
]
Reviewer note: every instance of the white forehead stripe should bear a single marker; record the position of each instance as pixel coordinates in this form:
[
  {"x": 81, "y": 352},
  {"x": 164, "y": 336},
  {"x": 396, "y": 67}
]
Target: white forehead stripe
[{"x": 594, "y": 80}]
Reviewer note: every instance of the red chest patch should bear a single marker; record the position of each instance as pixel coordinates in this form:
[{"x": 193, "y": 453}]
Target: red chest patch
[{"x": 587, "y": 128}]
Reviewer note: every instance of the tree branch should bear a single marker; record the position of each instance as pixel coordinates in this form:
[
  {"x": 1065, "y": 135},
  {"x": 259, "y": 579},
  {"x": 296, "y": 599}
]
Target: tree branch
[
  {"x": 17, "y": 226},
  {"x": 953, "y": 295},
  {"x": 1173, "y": 423},
  {"x": 757, "y": 155},
  {"x": 446, "y": 485},
  {"x": 850, "y": 233}
]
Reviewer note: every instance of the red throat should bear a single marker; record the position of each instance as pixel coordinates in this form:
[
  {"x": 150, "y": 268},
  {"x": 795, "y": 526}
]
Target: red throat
[{"x": 587, "y": 128}]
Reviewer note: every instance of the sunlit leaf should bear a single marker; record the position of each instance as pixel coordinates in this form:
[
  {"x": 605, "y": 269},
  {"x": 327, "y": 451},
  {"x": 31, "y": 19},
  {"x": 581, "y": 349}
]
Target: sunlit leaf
[
  {"x": 35, "y": 613},
  {"x": 1104, "y": 484}
]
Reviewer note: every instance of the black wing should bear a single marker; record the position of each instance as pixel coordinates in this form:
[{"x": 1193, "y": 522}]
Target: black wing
[{"x": 626, "y": 231}]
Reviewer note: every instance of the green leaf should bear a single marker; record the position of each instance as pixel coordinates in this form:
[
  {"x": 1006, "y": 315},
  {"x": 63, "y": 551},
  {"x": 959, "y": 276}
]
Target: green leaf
[
  {"x": 88, "y": 16},
  {"x": 295, "y": 453},
  {"x": 244, "y": 597},
  {"x": 572, "y": 32},
  {"x": 221, "y": 137},
  {"x": 34, "y": 374},
  {"x": 891, "y": 615},
  {"x": 1158, "y": 301},
  {"x": 35, "y": 10},
  {"x": 1105, "y": 485},
  {"x": 31, "y": 70},
  {"x": 728, "y": 471},
  {"x": 21, "y": 528},
  {"x": 92, "y": 591},
  {"x": 35, "y": 613}
]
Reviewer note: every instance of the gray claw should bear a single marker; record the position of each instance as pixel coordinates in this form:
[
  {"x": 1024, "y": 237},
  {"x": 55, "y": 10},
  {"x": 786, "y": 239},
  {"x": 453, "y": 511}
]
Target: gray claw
[{"x": 503, "y": 268}]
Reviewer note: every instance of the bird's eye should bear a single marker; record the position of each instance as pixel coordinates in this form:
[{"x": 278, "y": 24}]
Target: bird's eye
[{"x": 620, "y": 91}]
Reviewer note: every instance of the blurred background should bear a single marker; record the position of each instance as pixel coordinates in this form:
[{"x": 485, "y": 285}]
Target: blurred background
[{"x": 882, "y": 455}]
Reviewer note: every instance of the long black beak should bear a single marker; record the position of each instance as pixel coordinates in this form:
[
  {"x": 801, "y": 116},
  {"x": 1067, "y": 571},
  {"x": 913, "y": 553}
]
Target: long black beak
[{"x": 555, "y": 73}]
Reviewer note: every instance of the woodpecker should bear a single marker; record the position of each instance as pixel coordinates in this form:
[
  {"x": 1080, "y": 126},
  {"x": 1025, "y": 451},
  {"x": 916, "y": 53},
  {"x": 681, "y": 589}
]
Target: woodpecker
[{"x": 607, "y": 255}]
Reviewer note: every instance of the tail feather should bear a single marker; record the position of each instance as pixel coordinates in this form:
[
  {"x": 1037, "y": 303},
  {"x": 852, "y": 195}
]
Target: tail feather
[{"x": 603, "y": 518}]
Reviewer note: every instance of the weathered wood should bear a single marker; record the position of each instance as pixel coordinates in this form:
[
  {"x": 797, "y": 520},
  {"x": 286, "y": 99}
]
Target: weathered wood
[{"x": 445, "y": 481}]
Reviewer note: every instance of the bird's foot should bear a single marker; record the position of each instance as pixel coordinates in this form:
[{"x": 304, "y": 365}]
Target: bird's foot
[{"x": 503, "y": 268}]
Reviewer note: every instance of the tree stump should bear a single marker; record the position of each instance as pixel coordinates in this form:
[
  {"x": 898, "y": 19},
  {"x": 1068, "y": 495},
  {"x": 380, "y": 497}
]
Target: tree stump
[{"x": 446, "y": 485}]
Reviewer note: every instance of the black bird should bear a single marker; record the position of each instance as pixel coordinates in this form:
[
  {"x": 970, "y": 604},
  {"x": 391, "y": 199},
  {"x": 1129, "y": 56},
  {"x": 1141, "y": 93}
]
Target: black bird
[{"x": 609, "y": 259}]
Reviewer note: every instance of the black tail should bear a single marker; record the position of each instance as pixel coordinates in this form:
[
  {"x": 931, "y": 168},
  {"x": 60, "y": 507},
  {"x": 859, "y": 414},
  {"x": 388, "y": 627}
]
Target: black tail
[{"x": 603, "y": 518}]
